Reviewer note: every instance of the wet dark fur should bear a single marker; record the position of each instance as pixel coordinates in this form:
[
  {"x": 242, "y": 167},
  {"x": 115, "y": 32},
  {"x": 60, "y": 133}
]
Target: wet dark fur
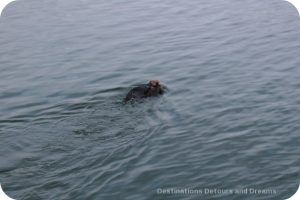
[{"x": 144, "y": 91}]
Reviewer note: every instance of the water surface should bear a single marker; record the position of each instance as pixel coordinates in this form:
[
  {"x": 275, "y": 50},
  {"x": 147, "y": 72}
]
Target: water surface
[{"x": 229, "y": 121}]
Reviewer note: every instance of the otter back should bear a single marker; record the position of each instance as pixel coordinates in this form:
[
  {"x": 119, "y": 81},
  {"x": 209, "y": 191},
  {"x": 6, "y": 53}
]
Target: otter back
[{"x": 136, "y": 93}]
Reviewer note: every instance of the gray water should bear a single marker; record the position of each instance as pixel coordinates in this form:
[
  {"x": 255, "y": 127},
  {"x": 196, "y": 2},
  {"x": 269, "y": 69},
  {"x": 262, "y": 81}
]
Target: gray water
[{"x": 230, "y": 119}]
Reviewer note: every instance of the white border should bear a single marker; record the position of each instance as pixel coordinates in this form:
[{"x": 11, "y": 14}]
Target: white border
[
  {"x": 296, "y": 196},
  {"x": 3, "y": 4},
  {"x": 3, "y": 196},
  {"x": 296, "y": 4}
]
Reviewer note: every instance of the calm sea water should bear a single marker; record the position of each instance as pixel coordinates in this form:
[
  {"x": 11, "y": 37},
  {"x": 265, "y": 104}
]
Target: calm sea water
[{"x": 229, "y": 121}]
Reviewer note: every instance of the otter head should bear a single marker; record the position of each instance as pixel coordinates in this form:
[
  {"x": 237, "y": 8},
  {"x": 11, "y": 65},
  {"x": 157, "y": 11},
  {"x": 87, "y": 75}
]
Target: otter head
[
  {"x": 154, "y": 88},
  {"x": 154, "y": 84}
]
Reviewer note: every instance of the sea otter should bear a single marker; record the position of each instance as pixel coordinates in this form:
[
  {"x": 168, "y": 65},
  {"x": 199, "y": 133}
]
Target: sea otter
[{"x": 153, "y": 88}]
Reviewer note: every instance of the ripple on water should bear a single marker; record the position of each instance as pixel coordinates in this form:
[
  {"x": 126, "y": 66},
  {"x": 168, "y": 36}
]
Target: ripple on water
[{"x": 230, "y": 119}]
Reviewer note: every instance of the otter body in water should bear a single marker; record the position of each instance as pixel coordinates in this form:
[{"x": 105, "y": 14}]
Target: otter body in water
[{"x": 153, "y": 88}]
